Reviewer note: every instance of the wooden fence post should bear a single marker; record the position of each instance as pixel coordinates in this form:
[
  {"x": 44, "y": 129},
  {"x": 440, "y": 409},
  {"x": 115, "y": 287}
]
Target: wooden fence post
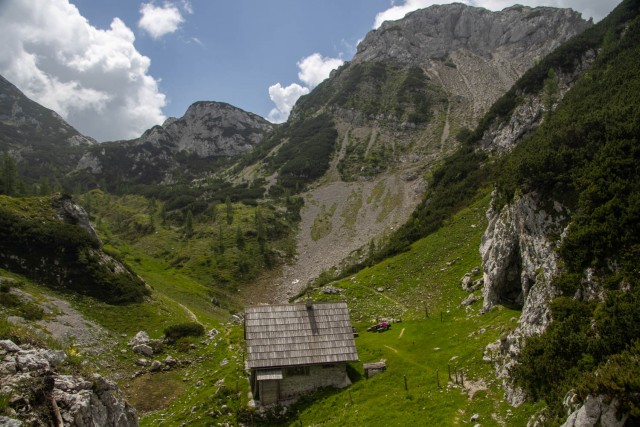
[
  {"x": 438, "y": 378},
  {"x": 449, "y": 370},
  {"x": 405, "y": 383}
]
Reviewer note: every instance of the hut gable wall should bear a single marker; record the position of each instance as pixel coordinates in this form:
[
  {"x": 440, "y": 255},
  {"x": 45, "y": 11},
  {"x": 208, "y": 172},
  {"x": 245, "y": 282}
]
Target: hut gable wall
[{"x": 293, "y": 386}]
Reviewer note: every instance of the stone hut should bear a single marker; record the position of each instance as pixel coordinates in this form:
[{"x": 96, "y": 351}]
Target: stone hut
[{"x": 293, "y": 349}]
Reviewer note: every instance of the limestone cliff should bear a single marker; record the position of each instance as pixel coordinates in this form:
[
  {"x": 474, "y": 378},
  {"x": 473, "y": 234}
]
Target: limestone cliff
[
  {"x": 519, "y": 245},
  {"x": 40, "y": 396},
  {"x": 519, "y": 262}
]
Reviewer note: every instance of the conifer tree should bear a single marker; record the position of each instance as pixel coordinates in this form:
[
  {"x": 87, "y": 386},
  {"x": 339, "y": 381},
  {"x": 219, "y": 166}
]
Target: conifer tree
[
  {"x": 239, "y": 238},
  {"x": 229, "y": 211},
  {"x": 188, "y": 225}
]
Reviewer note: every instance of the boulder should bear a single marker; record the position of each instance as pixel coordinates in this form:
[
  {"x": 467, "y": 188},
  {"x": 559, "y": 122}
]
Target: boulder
[
  {"x": 331, "y": 290},
  {"x": 156, "y": 365},
  {"x": 467, "y": 282},
  {"x": 10, "y": 346},
  {"x": 596, "y": 412},
  {"x": 140, "y": 338},
  {"x": 469, "y": 300},
  {"x": 9, "y": 422},
  {"x": 143, "y": 349}
]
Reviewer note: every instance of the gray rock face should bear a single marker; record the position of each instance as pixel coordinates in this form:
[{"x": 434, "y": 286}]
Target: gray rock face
[
  {"x": 516, "y": 34},
  {"x": 596, "y": 412},
  {"x": 216, "y": 129},
  {"x": 208, "y": 129},
  {"x": 71, "y": 212},
  {"x": 519, "y": 262},
  {"x": 81, "y": 402},
  {"x": 528, "y": 115}
]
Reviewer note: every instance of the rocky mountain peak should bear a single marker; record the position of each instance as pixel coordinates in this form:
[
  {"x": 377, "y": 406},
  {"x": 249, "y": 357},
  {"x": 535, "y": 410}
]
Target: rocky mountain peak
[
  {"x": 433, "y": 33},
  {"x": 216, "y": 129}
]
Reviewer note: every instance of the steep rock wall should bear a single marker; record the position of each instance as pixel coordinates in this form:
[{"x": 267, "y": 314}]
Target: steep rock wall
[{"x": 519, "y": 262}]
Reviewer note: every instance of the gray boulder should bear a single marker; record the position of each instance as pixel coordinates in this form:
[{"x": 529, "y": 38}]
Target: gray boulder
[
  {"x": 143, "y": 349},
  {"x": 10, "y": 346},
  {"x": 140, "y": 338}
]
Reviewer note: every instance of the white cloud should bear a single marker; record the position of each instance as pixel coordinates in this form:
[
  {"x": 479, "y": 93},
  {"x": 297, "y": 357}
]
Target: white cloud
[
  {"x": 95, "y": 79},
  {"x": 159, "y": 21},
  {"x": 315, "y": 68},
  {"x": 186, "y": 6},
  {"x": 284, "y": 98},
  {"x": 597, "y": 9}
]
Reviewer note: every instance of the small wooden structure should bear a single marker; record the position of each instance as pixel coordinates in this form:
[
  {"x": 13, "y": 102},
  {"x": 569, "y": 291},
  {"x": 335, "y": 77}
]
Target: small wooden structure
[
  {"x": 293, "y": 349},
  {"x": 371, "y": 369}
]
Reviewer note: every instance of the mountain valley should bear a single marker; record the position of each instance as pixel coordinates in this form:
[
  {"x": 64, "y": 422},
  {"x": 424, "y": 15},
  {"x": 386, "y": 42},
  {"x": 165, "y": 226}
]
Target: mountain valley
[{"x": 470, "y": 176}]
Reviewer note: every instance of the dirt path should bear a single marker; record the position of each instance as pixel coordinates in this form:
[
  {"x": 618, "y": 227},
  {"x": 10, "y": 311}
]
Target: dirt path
[{"x": 190, "y": 313}]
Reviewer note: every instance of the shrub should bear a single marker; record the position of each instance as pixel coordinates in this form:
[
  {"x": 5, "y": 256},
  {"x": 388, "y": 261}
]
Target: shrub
[{"x": 188, "y": 329}]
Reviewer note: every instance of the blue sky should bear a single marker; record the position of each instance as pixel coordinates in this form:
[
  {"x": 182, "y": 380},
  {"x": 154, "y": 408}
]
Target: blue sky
[{"x": 115, "y": 68}]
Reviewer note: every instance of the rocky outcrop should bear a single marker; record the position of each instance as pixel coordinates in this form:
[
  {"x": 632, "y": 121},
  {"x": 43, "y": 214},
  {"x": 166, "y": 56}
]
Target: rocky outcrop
[
  {"x": 207, "y": 130},
  {"x": 503, "y": 136},
  {"x": 519, "y": 263},
  {"x": 39, "y": 396},
  {"x": 516, "y": 35},
  {"x": 596, "y": 411},
  {"x": 72, "y": 213},
  {"x": 216, "y": 129},
  {"x": 57, "y": 246}
]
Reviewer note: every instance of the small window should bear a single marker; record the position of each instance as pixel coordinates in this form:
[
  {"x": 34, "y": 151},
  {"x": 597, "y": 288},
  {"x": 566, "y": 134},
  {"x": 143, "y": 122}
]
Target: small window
[{"x": 297, "y": 370}]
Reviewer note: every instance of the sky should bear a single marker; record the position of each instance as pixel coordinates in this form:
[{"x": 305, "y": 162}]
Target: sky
[{"x": 115, "y": 68}]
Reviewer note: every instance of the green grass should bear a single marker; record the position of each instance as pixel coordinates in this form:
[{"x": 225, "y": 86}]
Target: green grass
[
  {"x": 424, "y": 347},
  {"x": 218, "y": 379}
]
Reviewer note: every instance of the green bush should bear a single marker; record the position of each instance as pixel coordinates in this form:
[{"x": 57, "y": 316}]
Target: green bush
[{"x": 180, "y": 330}]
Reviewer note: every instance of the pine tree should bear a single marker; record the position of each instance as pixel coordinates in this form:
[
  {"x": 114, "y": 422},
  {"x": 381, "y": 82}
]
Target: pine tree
[
  {"x": 220, "y": 243},
  {"x": 188, "y": 225},
  {"x": 44, "y": 188},
  {"x": 239, "y": 238},
  {"x": 9, "y": 175},
  {"x": 163, "y": 214},
  {"x": 229, "y": 211},
  {"x": 260, "y": 230}
]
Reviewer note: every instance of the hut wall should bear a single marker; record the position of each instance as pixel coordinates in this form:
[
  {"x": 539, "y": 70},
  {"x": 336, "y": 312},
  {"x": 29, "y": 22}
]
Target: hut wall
[
  {"x": 269, "y": 392},
  {"x": 292, "y": 386}
]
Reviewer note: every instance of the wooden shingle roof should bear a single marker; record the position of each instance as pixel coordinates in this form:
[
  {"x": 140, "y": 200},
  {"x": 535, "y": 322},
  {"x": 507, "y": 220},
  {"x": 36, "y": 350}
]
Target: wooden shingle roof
[{"x": 292, "y": 334}]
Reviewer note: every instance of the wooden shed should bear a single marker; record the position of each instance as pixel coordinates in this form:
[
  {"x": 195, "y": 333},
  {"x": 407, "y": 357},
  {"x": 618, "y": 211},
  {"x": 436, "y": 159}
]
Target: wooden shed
[{"x": 293, "y": 349}]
